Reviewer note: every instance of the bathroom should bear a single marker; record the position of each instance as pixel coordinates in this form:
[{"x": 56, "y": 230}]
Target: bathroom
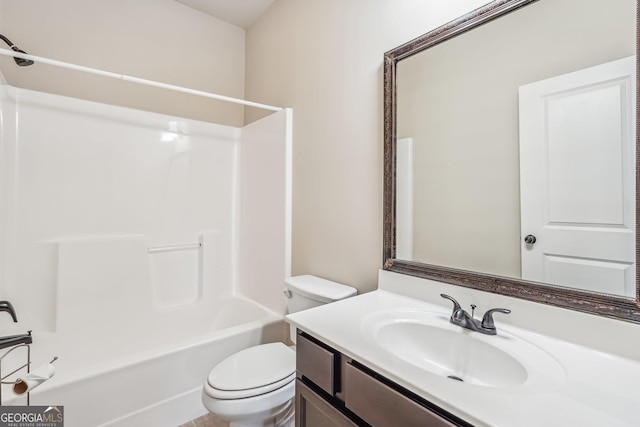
[{"x": 322, "y": 59}]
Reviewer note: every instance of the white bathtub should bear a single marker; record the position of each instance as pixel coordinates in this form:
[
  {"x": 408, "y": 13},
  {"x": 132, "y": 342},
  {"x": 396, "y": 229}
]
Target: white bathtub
[{"x": 160, "y": 386}]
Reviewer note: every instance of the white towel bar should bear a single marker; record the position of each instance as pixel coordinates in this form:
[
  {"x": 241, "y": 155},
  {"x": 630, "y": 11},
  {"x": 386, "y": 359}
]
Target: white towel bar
[{"x": 174, "y": 248}]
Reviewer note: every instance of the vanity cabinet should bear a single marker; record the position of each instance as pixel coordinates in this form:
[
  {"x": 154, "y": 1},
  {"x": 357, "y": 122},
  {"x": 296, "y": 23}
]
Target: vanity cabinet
[
  {"x": 314, "y": 410},
  {"x": 335, "y": 390}
]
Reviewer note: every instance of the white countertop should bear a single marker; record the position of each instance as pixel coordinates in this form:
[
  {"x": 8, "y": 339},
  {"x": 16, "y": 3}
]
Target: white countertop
[{"x": 595, "y": 389}]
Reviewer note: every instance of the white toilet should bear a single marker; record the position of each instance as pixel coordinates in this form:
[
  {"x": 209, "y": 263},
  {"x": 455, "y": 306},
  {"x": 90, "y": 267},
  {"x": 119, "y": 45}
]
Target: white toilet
[{"x": 256, "y": 386}]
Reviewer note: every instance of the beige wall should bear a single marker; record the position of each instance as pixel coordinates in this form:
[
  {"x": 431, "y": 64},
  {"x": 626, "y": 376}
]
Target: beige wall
[
  {"x": 459, "y": 103},
  {"x": 324, "y": 59},
  {"x": 160, "y": 40},
  {"x": 321, "y": 57}
]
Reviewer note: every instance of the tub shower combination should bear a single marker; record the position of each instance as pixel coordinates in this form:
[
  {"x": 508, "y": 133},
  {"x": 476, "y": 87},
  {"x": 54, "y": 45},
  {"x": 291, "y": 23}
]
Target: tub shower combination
[{"x": 141, "y": 249}]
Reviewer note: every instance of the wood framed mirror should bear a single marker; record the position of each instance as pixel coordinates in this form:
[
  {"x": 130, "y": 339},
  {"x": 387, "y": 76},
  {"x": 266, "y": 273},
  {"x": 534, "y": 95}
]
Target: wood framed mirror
[{"x": 457, "y": 201}]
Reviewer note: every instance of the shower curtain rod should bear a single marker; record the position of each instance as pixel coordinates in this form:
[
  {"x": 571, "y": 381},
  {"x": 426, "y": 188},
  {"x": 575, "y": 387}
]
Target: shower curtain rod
[{"x": 131, "y": 79}]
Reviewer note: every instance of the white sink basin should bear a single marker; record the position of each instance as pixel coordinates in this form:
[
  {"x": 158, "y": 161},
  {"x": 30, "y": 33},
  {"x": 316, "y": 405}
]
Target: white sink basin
[{"x": 427, "y": 341}]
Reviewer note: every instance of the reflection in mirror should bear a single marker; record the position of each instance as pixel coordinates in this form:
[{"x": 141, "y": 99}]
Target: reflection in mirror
[{"x": 511, "y": 153}]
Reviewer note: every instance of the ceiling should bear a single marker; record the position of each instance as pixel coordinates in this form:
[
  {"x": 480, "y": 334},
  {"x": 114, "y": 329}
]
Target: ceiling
[{"x": 237, "y": 12}]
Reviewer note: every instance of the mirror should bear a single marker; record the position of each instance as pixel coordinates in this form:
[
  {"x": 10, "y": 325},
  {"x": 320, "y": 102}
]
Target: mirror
[{"x": 485, "y": 120}]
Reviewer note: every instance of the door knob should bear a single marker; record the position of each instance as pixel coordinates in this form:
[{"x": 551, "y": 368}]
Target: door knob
[{"x": 530, "y": 239}]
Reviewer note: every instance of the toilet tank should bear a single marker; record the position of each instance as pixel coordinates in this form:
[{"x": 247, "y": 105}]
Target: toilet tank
[{"x": 308, "y": 291}]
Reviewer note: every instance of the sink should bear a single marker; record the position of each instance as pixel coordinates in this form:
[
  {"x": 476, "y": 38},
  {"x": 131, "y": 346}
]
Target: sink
[
  {"x": 453, "y": 354},
  {"x": 428, "y": 342}
]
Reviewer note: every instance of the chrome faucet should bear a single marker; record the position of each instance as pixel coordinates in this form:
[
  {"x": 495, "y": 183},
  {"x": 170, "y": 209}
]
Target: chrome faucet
[
  {"x": 462, "y": 318},
  {"x": 8, "y": 307}
]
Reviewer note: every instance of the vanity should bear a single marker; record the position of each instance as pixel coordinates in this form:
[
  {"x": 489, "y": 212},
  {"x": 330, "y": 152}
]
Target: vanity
[{"x": 392, "y": 357}]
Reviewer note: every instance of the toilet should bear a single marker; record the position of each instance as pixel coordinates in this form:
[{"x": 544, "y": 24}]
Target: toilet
[{"x": 256, "y": 386}]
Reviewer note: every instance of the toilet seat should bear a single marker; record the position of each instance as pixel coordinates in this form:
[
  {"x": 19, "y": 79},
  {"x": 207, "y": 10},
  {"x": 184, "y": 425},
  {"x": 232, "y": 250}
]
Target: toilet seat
[{"x": 252, "y": 372}]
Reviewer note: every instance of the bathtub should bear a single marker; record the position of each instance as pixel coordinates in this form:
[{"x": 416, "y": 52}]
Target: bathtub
[{"x": 161, "y": 385}]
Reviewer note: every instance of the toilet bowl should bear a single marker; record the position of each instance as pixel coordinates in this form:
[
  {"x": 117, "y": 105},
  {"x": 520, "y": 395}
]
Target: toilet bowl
[{"x": 256, "y": 386}]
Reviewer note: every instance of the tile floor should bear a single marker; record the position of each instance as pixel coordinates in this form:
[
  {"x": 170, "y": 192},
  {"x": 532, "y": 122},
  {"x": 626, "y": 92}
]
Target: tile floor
[{"x": 208, "y": 420}]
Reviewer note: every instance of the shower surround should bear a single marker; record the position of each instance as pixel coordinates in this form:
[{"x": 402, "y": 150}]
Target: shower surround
[{"x": 141, "y": 249}]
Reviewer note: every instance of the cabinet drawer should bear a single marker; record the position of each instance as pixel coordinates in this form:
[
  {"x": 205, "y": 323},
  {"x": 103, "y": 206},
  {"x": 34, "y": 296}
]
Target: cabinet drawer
[
  {"x": 380, "y": 405},
  {"x": 316, "y": 363}
]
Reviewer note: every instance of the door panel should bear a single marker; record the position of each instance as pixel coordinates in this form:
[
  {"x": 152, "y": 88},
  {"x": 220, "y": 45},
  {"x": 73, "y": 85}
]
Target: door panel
[{"x": 577, "y": 172}]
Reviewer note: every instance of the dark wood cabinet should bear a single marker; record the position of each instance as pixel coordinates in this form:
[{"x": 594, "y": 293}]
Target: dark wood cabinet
[
  {"x": 335, "y": 390},
  {"x": 312, "y": 410}
]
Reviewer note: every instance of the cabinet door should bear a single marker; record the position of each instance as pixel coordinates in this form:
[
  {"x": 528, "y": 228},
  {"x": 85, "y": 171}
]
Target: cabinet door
[{"x": 314, "y": 411}]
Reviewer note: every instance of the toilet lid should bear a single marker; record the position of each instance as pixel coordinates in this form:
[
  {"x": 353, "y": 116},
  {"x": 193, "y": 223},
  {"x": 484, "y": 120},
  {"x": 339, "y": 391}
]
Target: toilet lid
[{"x": 252, "y": 371}]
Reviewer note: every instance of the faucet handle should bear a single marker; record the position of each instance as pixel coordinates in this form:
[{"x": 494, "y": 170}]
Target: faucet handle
[
  {"x": 456, "y": 306},
  {"x": 487, "y": 319}
]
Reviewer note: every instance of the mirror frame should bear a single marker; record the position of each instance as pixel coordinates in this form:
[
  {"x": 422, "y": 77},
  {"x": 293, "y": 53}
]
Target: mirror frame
[{"x": 612, "y": 306}]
